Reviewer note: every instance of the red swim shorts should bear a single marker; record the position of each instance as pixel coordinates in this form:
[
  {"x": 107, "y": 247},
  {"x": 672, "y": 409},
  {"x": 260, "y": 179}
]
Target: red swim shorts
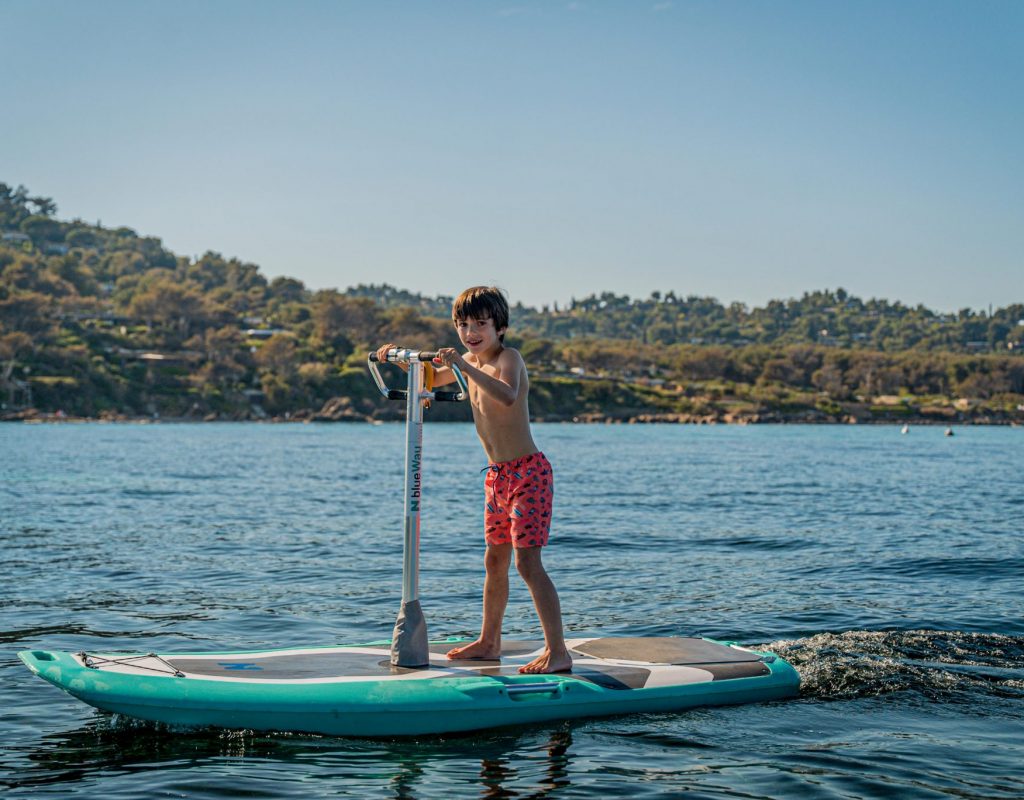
[{"x": 517, "y": 502}]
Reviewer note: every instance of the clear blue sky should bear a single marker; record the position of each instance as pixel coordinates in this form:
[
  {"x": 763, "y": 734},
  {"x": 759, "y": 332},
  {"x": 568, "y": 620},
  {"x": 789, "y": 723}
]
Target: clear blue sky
[{"x": 744, "y": 150}]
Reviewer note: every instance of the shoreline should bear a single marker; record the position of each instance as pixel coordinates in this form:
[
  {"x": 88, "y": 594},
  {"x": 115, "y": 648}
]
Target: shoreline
[{"x": 809, "y": 417}]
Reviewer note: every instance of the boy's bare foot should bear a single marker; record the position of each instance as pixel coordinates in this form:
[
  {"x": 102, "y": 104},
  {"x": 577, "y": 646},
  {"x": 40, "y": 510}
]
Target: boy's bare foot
[
  {"x": 478, "y": 649},
  {"x": 546, "y": 663}
]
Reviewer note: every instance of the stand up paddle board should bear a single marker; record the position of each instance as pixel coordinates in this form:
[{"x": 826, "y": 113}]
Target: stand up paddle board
[
  {"x": 357, "y": 691},
  {"x": 407, "y": 686}
]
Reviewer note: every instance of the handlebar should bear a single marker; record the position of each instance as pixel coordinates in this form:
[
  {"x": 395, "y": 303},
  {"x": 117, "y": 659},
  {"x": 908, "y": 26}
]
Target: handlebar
[{"x": 397, "y": 355}]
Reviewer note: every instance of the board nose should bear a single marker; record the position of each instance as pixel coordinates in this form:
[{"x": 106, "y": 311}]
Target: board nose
[{"x": 35, "y": 660}]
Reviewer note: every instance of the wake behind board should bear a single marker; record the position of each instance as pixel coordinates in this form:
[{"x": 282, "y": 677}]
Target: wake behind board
[{"x": 355, "y": 691}]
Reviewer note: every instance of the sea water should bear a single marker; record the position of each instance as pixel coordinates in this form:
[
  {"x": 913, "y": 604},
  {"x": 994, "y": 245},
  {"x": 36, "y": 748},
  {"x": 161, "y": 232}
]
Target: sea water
[{"x": 888, "y": 568}]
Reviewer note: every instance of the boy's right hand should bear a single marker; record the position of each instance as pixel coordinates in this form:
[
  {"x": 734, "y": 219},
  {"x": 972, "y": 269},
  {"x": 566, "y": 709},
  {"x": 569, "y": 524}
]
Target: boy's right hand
[{"x": 382, "y": 354}]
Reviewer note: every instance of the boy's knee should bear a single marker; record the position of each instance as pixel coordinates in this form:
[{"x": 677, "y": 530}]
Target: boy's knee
[
  {"x": 497, "y": 559},
  {"x": 528, "y": 564}
]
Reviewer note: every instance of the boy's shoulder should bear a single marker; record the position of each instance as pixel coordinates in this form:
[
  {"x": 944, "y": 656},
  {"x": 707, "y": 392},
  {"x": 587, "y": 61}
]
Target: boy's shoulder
[
  {"x": 507, "y": 362},
  {"x": 509, "y": 355}
]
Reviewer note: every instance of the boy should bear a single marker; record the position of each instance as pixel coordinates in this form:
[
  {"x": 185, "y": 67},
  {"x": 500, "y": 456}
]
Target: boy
[{"x": 519, "y": 484}]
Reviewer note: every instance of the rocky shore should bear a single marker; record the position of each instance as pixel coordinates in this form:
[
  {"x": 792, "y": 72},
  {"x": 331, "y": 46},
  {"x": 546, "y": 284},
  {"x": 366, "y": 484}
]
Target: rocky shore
[{"x": 341, "y": 409}]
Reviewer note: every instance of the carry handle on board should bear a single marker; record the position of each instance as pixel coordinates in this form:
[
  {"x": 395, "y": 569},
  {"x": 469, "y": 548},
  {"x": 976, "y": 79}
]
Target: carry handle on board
[{"x": 398, "y": 355}]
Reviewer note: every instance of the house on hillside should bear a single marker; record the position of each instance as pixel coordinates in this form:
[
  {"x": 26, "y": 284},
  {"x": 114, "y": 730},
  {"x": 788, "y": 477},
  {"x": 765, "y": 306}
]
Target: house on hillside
[
  {"x": 263, "y": 333},
  {"x": 18, "y": 393}
]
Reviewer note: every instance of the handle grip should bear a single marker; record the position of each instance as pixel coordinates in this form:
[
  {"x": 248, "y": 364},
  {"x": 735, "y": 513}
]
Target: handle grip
[{"x": 448, "y": 397}]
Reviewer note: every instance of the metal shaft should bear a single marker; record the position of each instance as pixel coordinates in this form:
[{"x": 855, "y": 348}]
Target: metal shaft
[
  {"x": 413, "y": 482},
  {"x": 409, "y": 643}
]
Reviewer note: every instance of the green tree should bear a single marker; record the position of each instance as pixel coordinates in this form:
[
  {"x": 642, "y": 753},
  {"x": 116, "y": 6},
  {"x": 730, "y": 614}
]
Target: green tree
[
  {"x": 42, "y": 229},
  {"x": 175, "y": 306}
]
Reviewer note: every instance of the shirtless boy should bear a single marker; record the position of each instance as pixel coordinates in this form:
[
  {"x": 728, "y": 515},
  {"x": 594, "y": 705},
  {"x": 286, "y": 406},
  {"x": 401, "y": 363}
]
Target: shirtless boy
[{"x": 519, "y": 485}]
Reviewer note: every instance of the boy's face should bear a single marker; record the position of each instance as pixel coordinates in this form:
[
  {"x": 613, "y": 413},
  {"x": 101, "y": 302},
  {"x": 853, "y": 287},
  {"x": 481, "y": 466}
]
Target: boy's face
[{"x": 478, "y": 335}]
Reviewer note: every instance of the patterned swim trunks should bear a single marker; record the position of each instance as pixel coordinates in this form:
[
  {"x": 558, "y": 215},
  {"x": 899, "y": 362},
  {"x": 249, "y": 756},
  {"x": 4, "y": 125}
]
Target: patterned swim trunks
[{"x": 517, "y": 502}]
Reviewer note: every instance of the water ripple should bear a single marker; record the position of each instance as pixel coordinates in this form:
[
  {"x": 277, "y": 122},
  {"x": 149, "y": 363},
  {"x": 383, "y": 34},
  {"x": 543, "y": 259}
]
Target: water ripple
[{"x": 948, "y": 665}]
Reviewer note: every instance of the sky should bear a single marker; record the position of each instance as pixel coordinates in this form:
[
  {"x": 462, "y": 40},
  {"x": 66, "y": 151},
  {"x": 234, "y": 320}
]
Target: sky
[{"x": 741, "y": 150}]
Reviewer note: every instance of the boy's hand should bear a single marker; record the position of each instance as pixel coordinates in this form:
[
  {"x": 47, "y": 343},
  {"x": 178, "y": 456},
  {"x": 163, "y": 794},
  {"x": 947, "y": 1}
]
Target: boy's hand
[
  {"x": 447, "y": 356},
  {"x": 382, "y": 354}
]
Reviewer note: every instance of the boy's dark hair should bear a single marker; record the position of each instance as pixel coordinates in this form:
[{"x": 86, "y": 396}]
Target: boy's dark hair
[{"x": 482, "y": 302}]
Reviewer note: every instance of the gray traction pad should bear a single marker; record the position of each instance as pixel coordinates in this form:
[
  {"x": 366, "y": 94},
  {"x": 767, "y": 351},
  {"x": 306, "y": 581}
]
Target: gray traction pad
[
  {"x": 688, "y": 651},
  {"x": 508, "y": 649},
  {"x": 721, "y": 661}
]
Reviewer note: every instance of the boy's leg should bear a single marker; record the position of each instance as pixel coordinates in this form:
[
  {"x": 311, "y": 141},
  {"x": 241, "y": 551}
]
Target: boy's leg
[
  {"x": 555, "y": 657},
  {"x": 488, "y": 645}
]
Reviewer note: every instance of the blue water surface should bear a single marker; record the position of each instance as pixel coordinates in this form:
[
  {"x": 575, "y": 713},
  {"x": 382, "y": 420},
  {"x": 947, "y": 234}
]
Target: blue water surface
[{"x": 888, "y": 568}]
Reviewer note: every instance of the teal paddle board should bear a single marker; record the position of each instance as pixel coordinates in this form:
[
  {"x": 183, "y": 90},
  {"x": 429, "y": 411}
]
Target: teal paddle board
[{"x": 357, "y": 691}]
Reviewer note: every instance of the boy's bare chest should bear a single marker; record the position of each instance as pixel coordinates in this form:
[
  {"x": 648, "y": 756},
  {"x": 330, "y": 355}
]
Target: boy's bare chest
[
  {"x": 478, "y": 398},
  {"x": 484, "y": 406}
]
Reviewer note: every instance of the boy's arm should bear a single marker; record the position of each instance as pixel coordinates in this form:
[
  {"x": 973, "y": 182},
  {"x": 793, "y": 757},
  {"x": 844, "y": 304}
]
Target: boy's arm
[
  {"x": 442, "y": 375},
  {"x": 504, "y": 389}
]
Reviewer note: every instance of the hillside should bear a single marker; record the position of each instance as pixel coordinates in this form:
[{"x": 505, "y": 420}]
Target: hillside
[{"x": 99, "y": 321}]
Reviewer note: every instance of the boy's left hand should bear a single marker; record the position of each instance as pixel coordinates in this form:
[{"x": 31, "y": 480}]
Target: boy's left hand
[{"x": 447, "y": 356}]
